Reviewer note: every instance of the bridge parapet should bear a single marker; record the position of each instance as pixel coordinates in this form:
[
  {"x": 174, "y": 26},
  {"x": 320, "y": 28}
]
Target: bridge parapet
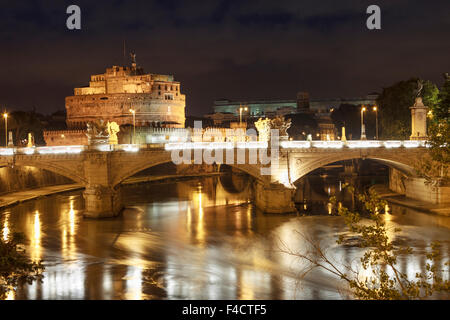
[{"x": 352, "y": 144}]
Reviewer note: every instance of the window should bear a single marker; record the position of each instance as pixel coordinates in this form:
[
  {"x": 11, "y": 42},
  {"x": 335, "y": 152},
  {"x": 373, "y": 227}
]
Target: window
[{"x": 168, "y": 96}]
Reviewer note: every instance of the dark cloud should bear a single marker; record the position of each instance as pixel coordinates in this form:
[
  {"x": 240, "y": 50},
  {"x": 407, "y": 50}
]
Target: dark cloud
[{"x": 218, "y": 49}]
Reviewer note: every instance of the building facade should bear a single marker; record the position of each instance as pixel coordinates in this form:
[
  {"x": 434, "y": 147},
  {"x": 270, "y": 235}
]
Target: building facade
[
  {"x": 321, "y": 110},
  {"x": 272, "y": 107},
  {"x": 156, "y": 99}
]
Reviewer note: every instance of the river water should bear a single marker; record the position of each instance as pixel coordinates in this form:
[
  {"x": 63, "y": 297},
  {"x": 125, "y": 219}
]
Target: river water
[{"x": 193, "y": 240}]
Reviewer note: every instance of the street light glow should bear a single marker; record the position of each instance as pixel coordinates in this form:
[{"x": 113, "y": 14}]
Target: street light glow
[
  {"x": 240, "y": 113},
  {"x": 5, "y": 115}
]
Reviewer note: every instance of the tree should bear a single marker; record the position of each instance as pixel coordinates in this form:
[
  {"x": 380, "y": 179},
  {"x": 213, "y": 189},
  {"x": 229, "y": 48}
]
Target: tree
[
  {"x": 394, "y": 103},
  {"x": 348, "y": 116},
  {"x": 21, "y": 123},
  {"x": 302, "y": 125},
  {"x": 434, "y": 166},
  {"x": 386, "y": 281},
  {"x": 15, "y": 266},
  {"x": 441, "y": 110}
]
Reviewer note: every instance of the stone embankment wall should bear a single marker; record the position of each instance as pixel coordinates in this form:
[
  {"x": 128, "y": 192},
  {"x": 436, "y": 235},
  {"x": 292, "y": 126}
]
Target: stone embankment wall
[
  {"x": 417, "y": 188},
  {"x": 23, "y": 178}
]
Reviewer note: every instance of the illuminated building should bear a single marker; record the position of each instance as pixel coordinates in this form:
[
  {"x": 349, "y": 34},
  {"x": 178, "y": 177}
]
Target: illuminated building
[{"x": 155, "y": 98}]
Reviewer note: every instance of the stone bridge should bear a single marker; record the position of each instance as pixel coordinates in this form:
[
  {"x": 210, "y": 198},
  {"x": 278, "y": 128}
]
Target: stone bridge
[{"x": 102, "y": 168}]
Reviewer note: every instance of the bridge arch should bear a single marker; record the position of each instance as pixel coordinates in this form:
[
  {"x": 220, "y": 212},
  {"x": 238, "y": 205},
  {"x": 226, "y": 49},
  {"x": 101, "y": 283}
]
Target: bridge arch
[
  {"x": 301, "y": 168},
  {"x": 74, "y": 175},
  {"x": 131, "y": 169}
]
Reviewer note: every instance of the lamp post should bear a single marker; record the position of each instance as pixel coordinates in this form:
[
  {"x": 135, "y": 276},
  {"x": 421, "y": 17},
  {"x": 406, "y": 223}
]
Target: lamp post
[
  {"x": 376, "y": 119},
  {"x": 363, "y": 128},
  {"x": 134, "y": 124},
  {"x": 5, "y": 115},
  {"x": 240, "y": 113}
]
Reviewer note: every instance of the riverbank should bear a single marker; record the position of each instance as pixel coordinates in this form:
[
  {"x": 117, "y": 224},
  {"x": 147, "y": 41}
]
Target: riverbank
[
  {"x": 173, "y": 177},
  {"x": 385, "y": 193},
  {"x": 14, "y": 198}
]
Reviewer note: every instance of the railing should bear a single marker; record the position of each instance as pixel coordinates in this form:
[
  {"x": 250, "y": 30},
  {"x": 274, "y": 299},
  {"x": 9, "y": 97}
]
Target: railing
[
  {"x": 353, "y": 144},
  {"x": 364, "y": 144}
]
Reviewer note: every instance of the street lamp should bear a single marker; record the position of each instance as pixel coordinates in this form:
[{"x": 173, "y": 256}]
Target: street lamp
[
  {"x": 134, "y": 124},
  {"x": 363, "y": 128},
  {"x": 376, "y": 118},
  {"x": 5, "y": 115},
  {"x": 240, "y": 113}
]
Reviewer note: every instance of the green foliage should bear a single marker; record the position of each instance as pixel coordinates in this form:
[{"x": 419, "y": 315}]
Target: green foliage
[
  {"x": 381, "y": 257},
  {"x": 441, "y": 111},
  {"x": 394, "y": 103},
  {"x": 430, "y": 95},
  {"x": 15, "y": 266},
  {"x": 435, "y": 164},
  {"x": 382, "y": 279}
]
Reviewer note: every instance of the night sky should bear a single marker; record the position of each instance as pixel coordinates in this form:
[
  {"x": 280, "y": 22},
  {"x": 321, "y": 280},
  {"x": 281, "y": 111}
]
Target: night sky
[{"x": 221, "y": 49}]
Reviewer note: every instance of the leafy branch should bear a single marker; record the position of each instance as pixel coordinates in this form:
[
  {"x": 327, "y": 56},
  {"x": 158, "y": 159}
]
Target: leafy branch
[
  {"x": 15, "y": 266},
  {"x": 385, "y": 280}
]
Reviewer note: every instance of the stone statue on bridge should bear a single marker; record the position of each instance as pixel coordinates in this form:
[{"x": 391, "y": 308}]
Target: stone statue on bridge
[
  {"x": 97, "y": 132},
  {"x": 263, "y": 127},
  {"x": 419, "y": 115},
  {"x": 282, "y": 125},
  {"x": 113, "y": 129},
  {"x": 419, "y": 88},
  {"x": 279, "y": 123}
]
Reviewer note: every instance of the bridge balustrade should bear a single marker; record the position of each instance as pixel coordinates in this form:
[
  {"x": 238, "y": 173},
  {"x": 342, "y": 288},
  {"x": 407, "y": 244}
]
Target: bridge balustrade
[{"x": 352, "y": 144}]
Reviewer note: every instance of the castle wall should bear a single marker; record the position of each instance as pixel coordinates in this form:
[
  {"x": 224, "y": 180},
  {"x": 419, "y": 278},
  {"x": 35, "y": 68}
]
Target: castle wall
[
  {"x": 65, "y": 138},
  {"x": 155, "y": 98},
  {"x": 150, "y": 109}
]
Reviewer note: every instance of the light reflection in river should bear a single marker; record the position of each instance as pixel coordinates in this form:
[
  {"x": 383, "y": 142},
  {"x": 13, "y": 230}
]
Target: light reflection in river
[
  {"x": 6, "y": 227},
  {"x": 182, "y": 241},
  {"x": 35, "y": 245}
]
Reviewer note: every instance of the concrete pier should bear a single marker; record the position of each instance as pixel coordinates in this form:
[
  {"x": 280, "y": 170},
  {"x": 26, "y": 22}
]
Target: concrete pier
[
  {"x": 274, "y": 198},
  {"x": 102, "y": 202}
]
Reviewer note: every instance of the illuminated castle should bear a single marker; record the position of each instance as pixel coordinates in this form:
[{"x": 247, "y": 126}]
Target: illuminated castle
[
  {"x": 127, "y": 96},
  {"x": 155, "y": 98}
]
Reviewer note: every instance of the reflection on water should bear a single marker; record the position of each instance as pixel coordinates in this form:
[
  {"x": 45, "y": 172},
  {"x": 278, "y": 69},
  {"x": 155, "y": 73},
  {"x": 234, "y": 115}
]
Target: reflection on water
[
  {"x": 193, "y": 240},
  {"x": 6, "y": 226}
]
